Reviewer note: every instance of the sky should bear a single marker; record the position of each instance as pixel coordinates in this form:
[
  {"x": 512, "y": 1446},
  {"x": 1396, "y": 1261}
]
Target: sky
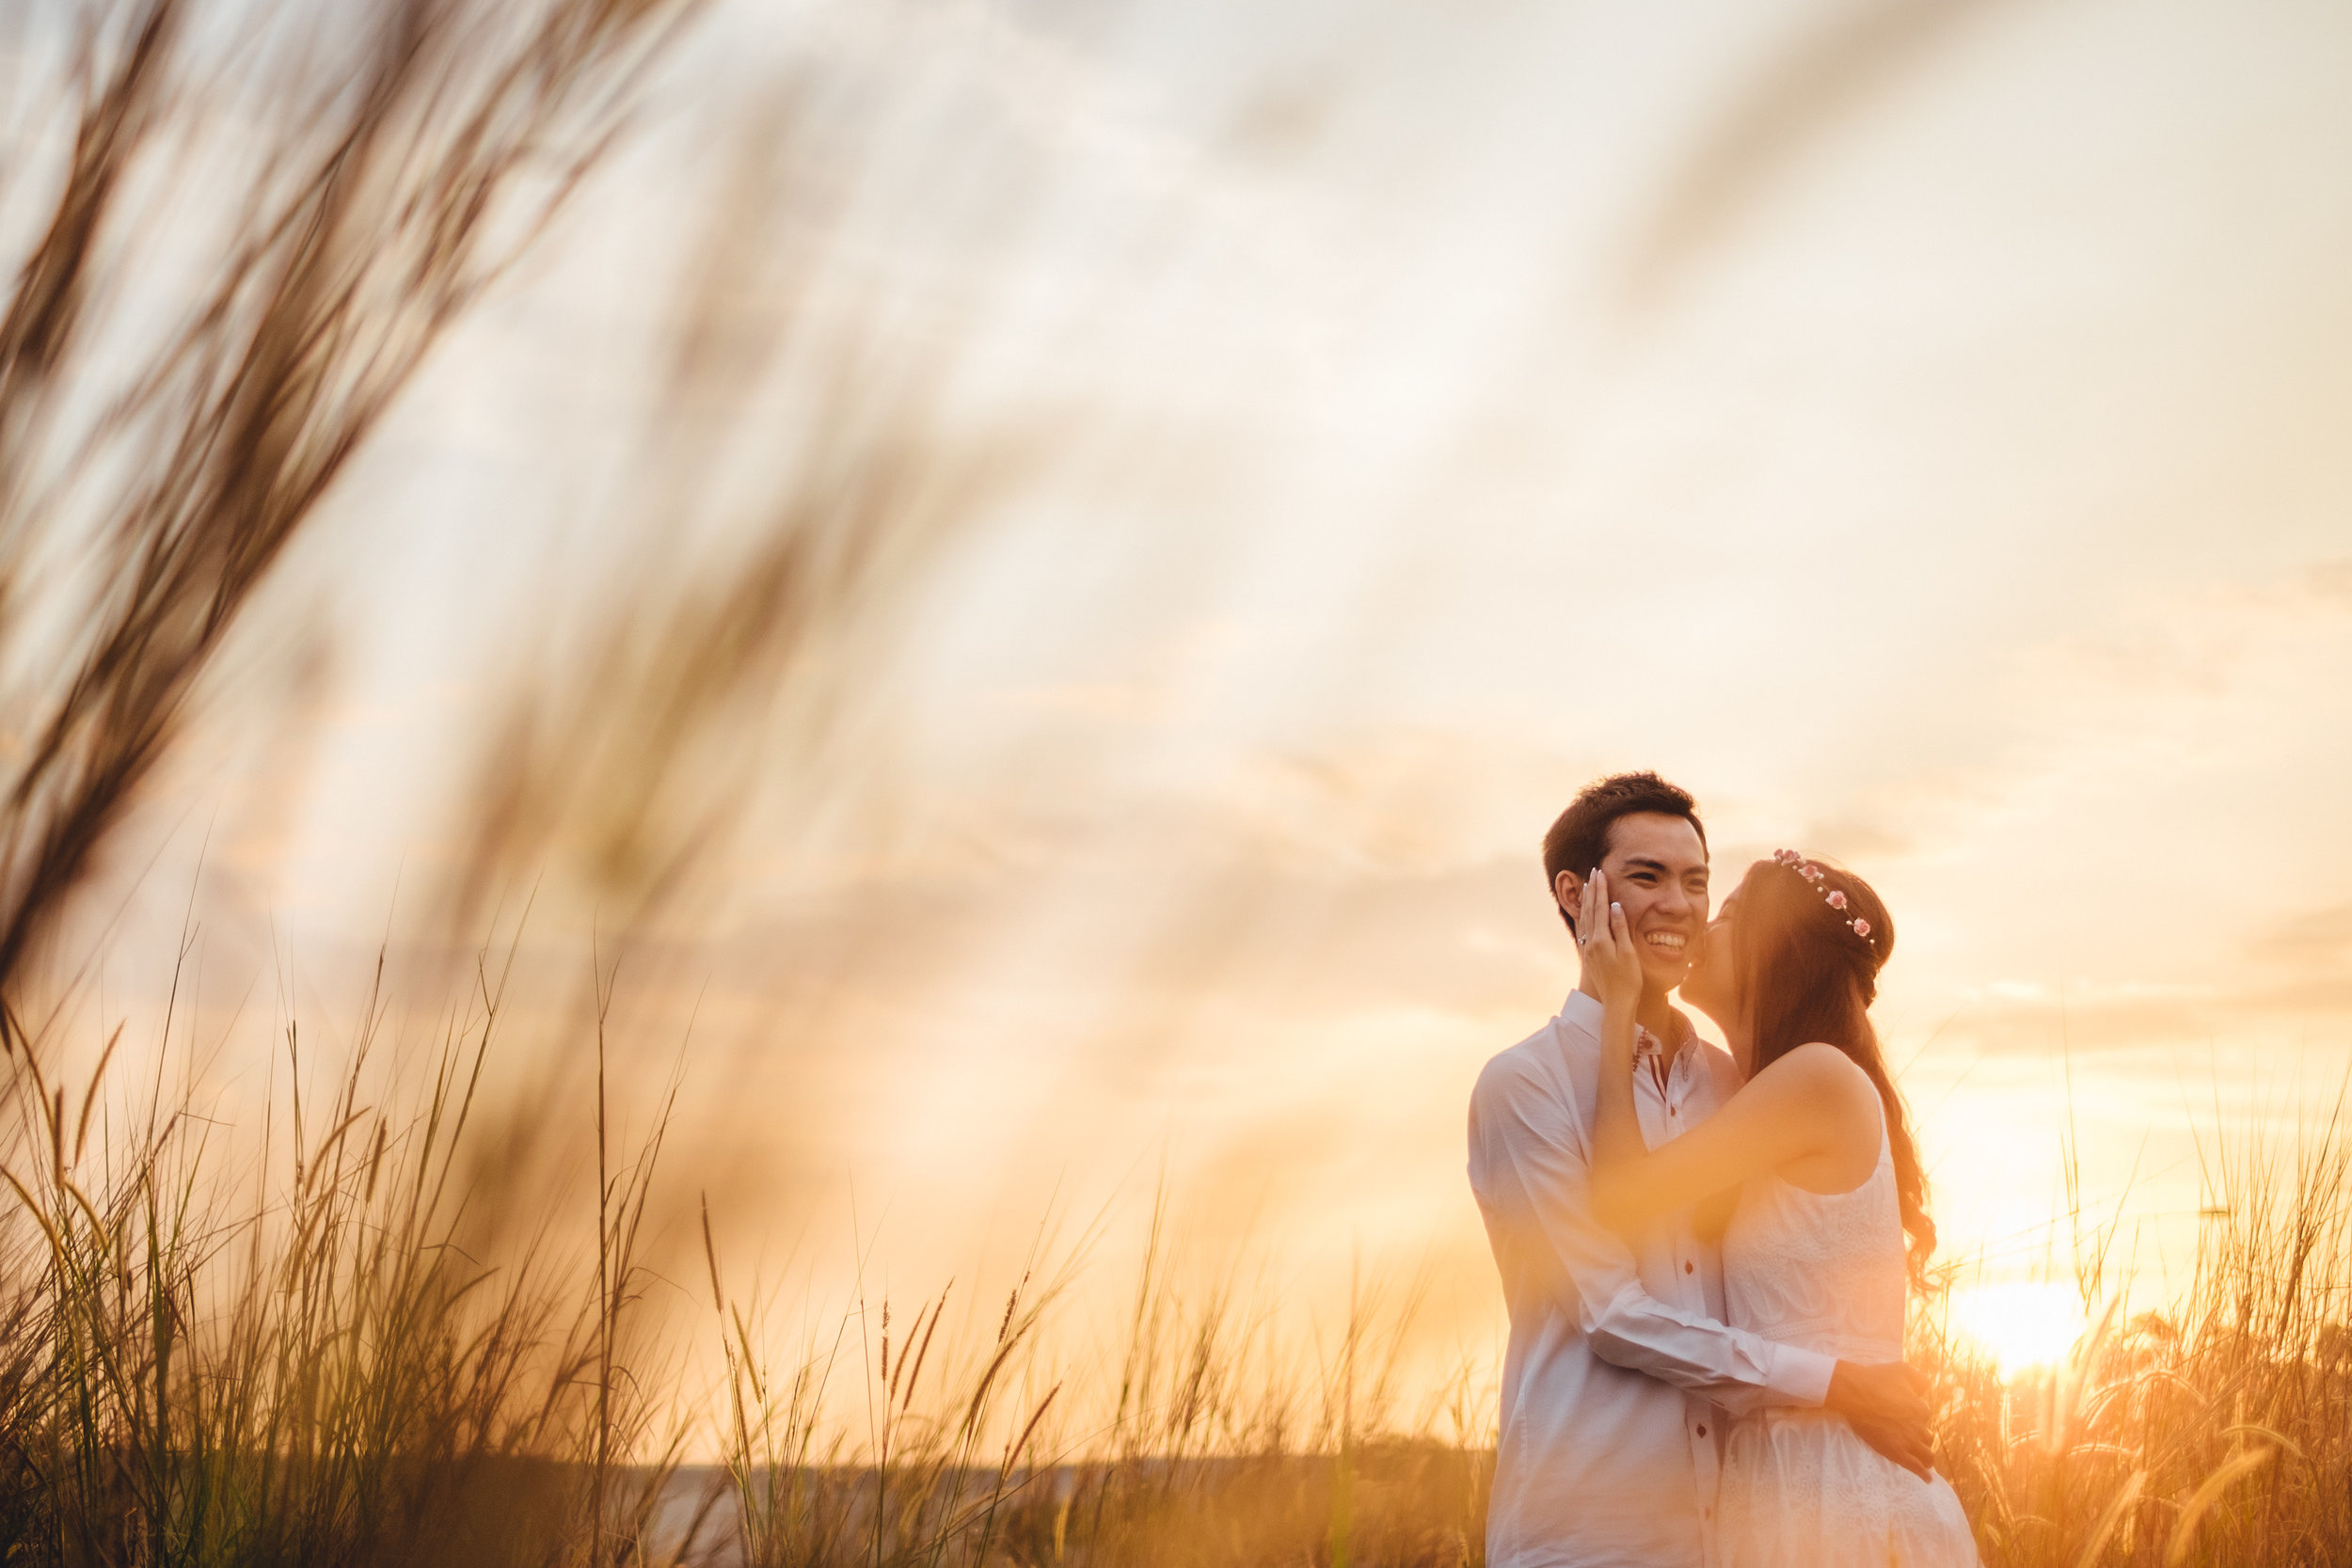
[{"x": 1917, "y": 428}]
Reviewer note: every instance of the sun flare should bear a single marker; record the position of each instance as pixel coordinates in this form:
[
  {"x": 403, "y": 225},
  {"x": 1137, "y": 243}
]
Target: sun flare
[{"x": 2022, "y": 1325}]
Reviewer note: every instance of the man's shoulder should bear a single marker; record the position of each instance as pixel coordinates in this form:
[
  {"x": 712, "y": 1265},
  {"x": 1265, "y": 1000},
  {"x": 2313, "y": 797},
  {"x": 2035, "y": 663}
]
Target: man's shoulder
[
  {"x": 1527, "y": 1097},
  {"x": 1527, "y": 1055},
  {"x": 1535, "y": 1066}
]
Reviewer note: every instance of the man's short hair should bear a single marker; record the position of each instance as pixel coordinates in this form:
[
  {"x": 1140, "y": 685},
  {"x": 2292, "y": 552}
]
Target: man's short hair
[{"x": 1578, "y": 839}]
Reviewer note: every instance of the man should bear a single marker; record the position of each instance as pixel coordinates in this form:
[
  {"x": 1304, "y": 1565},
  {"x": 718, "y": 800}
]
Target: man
[{"x": 1620, "y": 1370}]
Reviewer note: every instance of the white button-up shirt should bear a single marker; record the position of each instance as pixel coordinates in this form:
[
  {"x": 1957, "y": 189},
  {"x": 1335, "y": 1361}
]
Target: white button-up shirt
[{"x": 1618, "y": 1360}]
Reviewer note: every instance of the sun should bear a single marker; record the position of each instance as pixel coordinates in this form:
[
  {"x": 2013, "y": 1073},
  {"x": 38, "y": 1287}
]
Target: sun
[{"x": 2022, "y": 1326}]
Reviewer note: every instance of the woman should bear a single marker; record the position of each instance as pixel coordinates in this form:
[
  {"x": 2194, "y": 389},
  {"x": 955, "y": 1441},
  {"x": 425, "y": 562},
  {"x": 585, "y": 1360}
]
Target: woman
[{"x": 1827, "y": 1183}]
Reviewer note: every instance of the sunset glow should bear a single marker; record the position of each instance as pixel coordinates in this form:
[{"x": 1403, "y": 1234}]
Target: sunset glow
[
  {"x": 1219, "y": 486},
  {"x": 2022, "y": 1326}
]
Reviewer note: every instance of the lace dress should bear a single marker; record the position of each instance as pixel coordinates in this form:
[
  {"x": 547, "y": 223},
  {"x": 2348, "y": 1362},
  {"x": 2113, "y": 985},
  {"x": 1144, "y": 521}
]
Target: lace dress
[{"x": 1800, "y": 1490}]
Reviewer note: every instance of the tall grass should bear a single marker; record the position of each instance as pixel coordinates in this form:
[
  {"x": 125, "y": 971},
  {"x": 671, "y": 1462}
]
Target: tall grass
[
  {"x": 366, "y": 195},
  {"x": 2218, "y": 1431},
  {"x": 1194, "y": 1442},
  {"x": 326, "y": 1366},
  {"x": 346, "y": 1353},
  {"x": 356, "y": 1353}
]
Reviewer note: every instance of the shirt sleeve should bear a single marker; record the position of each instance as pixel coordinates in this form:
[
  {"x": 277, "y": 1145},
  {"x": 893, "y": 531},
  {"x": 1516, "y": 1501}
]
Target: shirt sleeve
[{"x": 1530, "y": 1172}]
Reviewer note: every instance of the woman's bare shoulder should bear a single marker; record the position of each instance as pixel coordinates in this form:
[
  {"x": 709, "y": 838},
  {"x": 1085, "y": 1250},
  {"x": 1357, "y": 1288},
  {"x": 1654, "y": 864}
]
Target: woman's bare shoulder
[{"x": 1819, "y": 1068}]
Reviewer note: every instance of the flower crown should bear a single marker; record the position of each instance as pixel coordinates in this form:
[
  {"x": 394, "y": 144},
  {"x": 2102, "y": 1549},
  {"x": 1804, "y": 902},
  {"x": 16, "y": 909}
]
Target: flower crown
[{"x": 1830, "y": 896}]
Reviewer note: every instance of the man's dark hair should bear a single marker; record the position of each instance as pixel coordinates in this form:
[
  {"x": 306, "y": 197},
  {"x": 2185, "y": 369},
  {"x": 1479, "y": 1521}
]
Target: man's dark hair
[{"x": 1579, "y": 839}]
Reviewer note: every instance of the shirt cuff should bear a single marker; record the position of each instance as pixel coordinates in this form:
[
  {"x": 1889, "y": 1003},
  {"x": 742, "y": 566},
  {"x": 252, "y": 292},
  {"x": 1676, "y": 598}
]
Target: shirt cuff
[{"x": 1800, "y": 1376}]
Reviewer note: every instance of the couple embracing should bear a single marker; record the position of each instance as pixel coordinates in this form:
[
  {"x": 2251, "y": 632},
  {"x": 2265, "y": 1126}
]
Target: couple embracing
[{"x": 1705, "y": 1255}]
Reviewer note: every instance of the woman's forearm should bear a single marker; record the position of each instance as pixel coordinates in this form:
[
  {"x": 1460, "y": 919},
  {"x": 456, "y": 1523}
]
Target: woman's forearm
[{"x": 1617, "y": 1145}]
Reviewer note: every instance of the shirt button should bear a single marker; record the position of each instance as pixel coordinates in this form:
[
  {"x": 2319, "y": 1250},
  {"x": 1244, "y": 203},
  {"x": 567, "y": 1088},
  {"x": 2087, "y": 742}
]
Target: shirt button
[
  {"x": 1702, "y": 1434},
  {"x": 1670, "y": 1110},
  {"x": 1686, "y": 1265}
]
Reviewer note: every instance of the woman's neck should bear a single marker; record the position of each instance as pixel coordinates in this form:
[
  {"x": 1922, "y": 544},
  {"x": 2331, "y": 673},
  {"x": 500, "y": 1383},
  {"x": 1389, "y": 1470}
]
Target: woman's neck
[
  {"x": 1741, "y": 1044},
  {"x": 1737, "y": 1039}
]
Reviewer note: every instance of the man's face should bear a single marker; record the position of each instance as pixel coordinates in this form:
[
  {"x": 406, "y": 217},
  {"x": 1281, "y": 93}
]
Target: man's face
[{"x": 1657, "y": 869}]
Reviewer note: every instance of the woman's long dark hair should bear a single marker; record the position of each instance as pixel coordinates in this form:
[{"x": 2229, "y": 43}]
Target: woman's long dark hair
[{"x": 1807, "y": 976}]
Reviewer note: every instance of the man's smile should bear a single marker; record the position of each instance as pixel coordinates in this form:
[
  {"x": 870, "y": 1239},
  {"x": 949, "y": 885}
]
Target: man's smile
[{"x": 1671, "y": 942}]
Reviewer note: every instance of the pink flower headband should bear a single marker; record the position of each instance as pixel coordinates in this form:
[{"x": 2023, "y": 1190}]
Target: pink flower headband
[{"x": 1830, "y": 896}]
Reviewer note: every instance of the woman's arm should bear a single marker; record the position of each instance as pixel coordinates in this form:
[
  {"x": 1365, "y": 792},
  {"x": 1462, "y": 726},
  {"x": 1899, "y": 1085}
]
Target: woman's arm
[
  {"x": 1711, "y": 1217},
  {"x": 1812, "y": 1101},
  {"x": 1613, "y": 972}
]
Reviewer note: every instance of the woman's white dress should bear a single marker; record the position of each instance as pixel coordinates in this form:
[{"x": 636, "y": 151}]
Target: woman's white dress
[{"x": 1800, "y": 1490}]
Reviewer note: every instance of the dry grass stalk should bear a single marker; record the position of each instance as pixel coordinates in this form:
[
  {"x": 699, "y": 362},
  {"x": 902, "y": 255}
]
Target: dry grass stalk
[
  {"x": 701, "y": 684},
  {"x": 2215, "y": 1434},
  {"x": 319, "y": 1374},
  {"x": 377, "y": 217},
  {"x": 1195, "y": 1450},
  {"x": 322, "y": 1375}
]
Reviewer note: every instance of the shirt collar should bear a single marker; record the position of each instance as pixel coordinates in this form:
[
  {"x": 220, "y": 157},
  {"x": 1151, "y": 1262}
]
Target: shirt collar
[{"x": 1585, "y": 1010}]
